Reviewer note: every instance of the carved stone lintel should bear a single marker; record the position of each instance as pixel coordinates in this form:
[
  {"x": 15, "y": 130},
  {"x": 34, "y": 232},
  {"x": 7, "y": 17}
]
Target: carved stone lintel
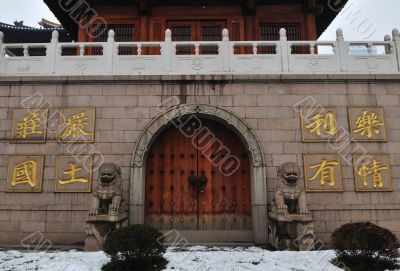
[
  {"x": 290, "y": 223},
  {"x": 107, "y": 218},
  {"x": 290, "y": 218}
]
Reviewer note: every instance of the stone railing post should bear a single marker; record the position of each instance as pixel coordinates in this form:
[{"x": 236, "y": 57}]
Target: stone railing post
[
  {"x": 226, "y": 50},
  {"x": 167, "y": 51},
  {"x": 342, "y": 50},
  {"x": 388, "y": 48},
  {"x": 52, "y": 51},
  {"x": 2, "y": 51},
  {"x": 109, "y": 51},
  {"x": 396, "y": 39},
  {"x": 284, "y": 48}
]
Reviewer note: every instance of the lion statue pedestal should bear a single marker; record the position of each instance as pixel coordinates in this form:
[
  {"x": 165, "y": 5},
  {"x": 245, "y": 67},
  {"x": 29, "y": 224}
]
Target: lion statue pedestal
[
  {"x": 290, "y": 223},
  {"x": 106, "y": 213}
]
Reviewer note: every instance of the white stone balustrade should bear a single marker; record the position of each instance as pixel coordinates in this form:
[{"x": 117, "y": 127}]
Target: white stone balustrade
[{"x": 203, "y": 57}]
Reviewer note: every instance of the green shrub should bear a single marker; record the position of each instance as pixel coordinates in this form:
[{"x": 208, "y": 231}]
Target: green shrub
[
  {"x": 137, "y": 247},
  {"x": 364, "y": 246}
]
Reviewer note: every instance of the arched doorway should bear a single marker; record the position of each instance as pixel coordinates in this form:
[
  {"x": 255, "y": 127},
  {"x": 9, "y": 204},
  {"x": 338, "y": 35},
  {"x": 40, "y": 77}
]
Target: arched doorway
[
  {"x": 198, "y": 178},
  {"x": 257, "y": 172}
]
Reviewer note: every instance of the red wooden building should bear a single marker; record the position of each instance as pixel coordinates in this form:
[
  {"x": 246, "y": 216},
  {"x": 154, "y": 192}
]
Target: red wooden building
[{"x": 202, "y": 20}]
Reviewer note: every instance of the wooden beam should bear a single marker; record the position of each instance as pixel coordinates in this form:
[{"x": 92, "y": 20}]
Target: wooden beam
[
  {"x": 144, "y": 7},
  {"x": 312, "y": 3},
  {"x": 314, "y": 7},
  {"x": 249, "y": 7}
]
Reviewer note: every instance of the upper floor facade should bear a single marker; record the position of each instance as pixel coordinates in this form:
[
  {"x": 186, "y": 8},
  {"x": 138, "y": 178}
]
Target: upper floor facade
[
  {"x": 141, "y": 37},
  {"x": 198, "y": 20}
]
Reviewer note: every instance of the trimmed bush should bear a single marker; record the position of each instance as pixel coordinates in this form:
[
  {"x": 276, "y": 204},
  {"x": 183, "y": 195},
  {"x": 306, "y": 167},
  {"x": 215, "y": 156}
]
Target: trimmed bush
[
  {"x": 364, "y": 246},
  {"x": 137, "y": 247}
]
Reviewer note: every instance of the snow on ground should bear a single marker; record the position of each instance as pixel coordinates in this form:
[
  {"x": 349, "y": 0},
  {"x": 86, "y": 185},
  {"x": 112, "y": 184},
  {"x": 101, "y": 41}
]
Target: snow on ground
[
  {"x": 235, "y": 259},
  {"x": 51, "y": 261},
  {"x": 197, "y": 258}
]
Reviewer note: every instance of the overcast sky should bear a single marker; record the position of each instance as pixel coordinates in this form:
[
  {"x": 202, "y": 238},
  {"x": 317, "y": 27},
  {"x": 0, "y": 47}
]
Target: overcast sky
[
  {"x": 361, "y": 19},
  {"x": 29, "y": 11}
]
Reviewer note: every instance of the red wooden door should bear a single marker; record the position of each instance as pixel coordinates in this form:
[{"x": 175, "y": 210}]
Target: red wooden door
[
  {"x": 170, "y": 201},
  {"x": 198, "y": 182}
]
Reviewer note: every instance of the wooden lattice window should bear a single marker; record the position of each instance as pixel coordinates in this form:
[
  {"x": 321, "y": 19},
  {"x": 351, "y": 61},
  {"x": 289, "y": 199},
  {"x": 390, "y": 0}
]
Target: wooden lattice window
[
  {"x": 270, "y": 32},
  {"x": 197, "y": 31},
  {"x": 182, "y": 33},
  {"x": 211, "y": 33},
  {"x": 123, "y": 33}
]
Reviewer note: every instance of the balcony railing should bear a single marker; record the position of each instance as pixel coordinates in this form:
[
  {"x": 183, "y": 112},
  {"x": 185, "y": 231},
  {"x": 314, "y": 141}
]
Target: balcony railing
[{"x": 227, "y": 57}]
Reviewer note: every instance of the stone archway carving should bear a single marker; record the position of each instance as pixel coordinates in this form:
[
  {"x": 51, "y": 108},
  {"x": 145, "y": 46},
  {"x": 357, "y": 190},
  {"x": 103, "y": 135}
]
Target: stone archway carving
[{"x": 160, "y": 122}]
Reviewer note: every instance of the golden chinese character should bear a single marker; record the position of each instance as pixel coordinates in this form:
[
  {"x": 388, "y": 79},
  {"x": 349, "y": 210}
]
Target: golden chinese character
[
  {"x": 75, "y": 126},
  {"x": 367, "y": 124},
  {"x": 326, "y": 171},
  {"x": 375, "y": 168},
  {"x": 319, "y": 121},
  {"x": 29, "y": 125},
  {"x": 72, "y": 173},
  {"x": 25, "y": 172}
]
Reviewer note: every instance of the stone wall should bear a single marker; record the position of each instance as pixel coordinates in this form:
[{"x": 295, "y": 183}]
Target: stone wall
[{"x": 125, "y": 105}]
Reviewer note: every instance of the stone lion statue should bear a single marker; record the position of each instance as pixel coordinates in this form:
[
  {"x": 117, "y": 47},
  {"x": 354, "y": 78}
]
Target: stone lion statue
[
  {"x": 107, "y": 197},
  {"x": 291, "y": 226},
  {"x": 106, "y": 213},
  {"x": 290, "y": 196}
]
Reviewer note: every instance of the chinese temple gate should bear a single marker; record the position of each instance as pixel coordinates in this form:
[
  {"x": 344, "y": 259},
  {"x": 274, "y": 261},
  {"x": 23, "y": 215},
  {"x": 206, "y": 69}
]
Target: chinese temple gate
[{"x": 222, "y": 120}]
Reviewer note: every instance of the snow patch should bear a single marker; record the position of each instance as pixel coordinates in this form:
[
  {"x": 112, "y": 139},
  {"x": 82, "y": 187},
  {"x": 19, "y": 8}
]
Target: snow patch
[{"x": 198, "y": 258}]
